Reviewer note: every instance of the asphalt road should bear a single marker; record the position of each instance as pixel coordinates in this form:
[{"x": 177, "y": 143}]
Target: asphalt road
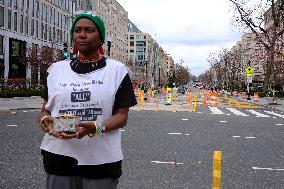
[{"x": 165, "y": 150}]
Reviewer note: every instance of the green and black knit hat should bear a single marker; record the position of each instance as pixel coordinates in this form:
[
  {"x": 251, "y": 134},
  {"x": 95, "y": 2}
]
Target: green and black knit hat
[{"x": 95, "y": 19}]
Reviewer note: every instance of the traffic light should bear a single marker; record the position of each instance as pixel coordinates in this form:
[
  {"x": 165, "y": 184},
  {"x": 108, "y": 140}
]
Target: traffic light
[{"x": 65, "y": 51}]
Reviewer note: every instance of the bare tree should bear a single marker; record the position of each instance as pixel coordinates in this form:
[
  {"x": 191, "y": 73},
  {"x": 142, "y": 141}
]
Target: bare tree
[
  {"x": 38, "y": 59},
  {"x": 182, "y": 74},
  {"x": 265, "y": 20}
]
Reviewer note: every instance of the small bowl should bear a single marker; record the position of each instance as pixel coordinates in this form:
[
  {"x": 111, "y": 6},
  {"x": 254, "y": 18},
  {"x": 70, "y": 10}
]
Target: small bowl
[{"x": 65, "y": 123}]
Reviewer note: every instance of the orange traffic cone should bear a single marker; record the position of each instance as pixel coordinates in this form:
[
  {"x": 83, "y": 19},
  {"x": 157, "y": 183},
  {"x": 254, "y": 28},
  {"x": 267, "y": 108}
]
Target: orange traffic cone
[{"x": 213, "y": 99}]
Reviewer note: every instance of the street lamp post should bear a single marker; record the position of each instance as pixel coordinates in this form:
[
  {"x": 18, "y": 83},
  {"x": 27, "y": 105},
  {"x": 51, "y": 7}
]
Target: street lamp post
[
  {"x": 159, "y": 75},
  {"x": 109, "y": 41},
  {"x": 248, "y": 85}
]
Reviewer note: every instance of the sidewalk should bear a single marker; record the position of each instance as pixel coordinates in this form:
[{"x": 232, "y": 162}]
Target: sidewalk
[
  {"x": 35, "y": 102},
  {"x": 16, "y": 103},
  {"x": 264, "y": 101}
]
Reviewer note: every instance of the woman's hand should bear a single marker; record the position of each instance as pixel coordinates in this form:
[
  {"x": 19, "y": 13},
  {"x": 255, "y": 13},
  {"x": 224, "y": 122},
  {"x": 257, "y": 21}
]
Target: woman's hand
[
  {"x": 84, "y": 128},
  {"x": 47, "y": 125}
]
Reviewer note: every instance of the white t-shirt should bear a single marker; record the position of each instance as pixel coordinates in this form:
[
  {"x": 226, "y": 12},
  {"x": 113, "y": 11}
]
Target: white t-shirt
[{"x": 90, "y": 96}]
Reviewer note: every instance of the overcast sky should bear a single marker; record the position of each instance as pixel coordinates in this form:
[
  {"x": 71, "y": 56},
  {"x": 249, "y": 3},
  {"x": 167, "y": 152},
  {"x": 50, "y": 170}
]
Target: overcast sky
[{"x": 186, "y": 29}]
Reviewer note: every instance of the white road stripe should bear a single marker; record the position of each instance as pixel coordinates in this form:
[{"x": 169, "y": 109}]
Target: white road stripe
[
  {"x": 257, "y": 113},
  {"x": 174, "y": 133},
  {"x": 250, "y": 137},
  {"x": 164, "y": 162},
  {"x": 184, "y": 119},
  {"x": 215, "y": 110},
  {"x": 122, "y": 130},
  {"x": 223, "y": 121},
  {"x": 279, "y": 124},
  {"x": 187, "y": 134},
  {"x": 269, "y": 169},
  {"x": 236, "y": 136},
  {"x": 12, "y": 125},
  {"x": 273, "y": 113},
  {"x": 25, "y": 111},
  {"x": 236, "y": 112}
]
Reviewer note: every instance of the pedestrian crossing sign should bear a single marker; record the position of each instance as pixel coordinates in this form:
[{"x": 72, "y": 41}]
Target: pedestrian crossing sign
[{"x": 249, "y": 70}]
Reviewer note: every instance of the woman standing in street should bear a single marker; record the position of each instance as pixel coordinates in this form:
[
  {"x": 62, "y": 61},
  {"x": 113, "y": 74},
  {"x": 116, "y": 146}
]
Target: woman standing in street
[{"x": 99, "y": 91}]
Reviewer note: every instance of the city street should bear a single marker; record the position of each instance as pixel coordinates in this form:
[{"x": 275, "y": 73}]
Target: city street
[{"x": 166, "y": 149}]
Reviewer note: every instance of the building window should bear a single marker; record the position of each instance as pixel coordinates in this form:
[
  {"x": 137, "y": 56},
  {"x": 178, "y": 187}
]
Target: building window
[
  {"x": 45, "y": 33},
  {"x": 1, "y": 44},
  {"x": 32, "y": 28},
  {"x": 36, "y": 29},
  {"x": 26, "y": 25},
  {"x": 15, "y": 4},
  {"x": 15, "y": 21},
  {"x": 1, "y": 2},
  {"x": 9, "y": 3},
  {"x": 1, "y": 16},
  {"x": 22, "y": 24},
  {"x": 37, "y": 9},
  {"x": 28, "y": 6},
  {"x": 33, "y": 8},
  {"x": 42, "y": 30},
  {"x": 132, "y": 43}
]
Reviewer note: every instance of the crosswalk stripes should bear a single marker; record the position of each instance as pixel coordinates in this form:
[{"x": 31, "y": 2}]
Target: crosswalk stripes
[
  {"x": 237, "y": 112},
  {"x": 273, "y": 113},
  {"x": 257, "y": 113},
  {"x": 221, "y": 111},
  {"x": 215, "y": 110}
]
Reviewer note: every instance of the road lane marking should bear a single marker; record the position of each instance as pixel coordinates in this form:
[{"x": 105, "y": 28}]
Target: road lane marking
[
  {"x": 25, "y": 111},
  {"x": 215, "y": 110},
  {"x": 250, "y": 137},
  {"x": 165, "y": 162},
  {"x": 228, "y": 114},
  {"x": 279, "y": 124},
  {"x": 12, "y": 125},
  {"x": 237, "y": 112},
  {"x": 184, "y": 119},
  {"x": 236, "y": 136},
  {"x": 273, "y": 113},
  {"x": 257, "y": 113},
  {"x": 269, "y": 169},
  {"x": 223, "y": 121},
  {"x": 187, "y": 134},
  {"x": 122, "y": 130},
  {"x": 175, "y": 133}
]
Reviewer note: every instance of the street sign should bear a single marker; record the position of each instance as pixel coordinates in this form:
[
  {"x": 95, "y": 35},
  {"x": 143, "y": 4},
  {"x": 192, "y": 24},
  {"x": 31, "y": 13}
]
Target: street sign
[
  {"x": 249, "y": 69},
  {"x": 249, "y": 79},
  {"x": 249, "y": 75}
]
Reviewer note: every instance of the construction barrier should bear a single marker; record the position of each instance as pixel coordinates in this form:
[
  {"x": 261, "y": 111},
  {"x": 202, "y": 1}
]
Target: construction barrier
[
  {"x": 244, "y": 95},
  {"x": 157, "y": 104},
  {"x": 169, "y": 95},
  {"x": 255, "y": 97},
  {"x": 217, "y": 170},
  {"x": 213, "y": 99},
  {"x": 189, "y": 102},
  {"x": 175, "y": 103},
  {"x": 206, "y": 94},
  {"x": 195, "y": 102}
]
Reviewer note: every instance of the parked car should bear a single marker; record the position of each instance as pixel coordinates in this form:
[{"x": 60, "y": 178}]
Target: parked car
[{"x": 181, "y": 90}]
